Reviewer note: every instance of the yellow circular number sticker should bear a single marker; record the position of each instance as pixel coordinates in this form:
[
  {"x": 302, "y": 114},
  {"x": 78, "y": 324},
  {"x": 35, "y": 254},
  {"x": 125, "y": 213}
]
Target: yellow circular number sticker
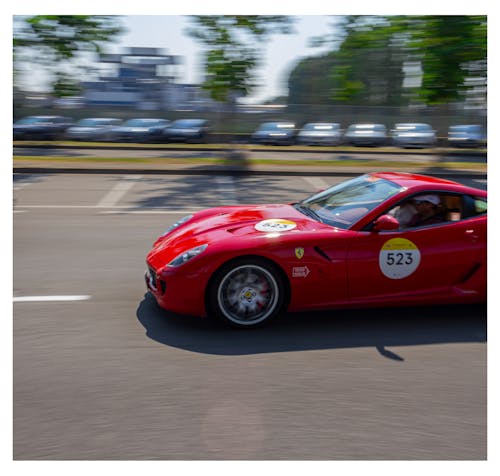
[{"x": 399, "y": 258}]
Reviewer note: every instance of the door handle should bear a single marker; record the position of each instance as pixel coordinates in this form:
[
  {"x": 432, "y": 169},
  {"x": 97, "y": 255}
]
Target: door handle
[{"x": 472, "y": 235}]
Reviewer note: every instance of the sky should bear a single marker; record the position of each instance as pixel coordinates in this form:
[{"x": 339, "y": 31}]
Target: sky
[
  {"x": 280, "y": 52},
  {"x": 152, "y": 23}
]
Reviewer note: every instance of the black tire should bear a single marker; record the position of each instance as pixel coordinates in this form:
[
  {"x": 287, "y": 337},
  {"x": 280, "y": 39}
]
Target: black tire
[{"x": 246, "y": 293}]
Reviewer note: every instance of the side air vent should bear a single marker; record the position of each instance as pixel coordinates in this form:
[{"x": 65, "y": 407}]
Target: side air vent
[{"x": 322, "y": 253}]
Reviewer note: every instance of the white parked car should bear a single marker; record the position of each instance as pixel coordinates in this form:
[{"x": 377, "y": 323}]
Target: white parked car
[
  {"x": 413, "y": 135},
  {"x": 320, "y": 133}
]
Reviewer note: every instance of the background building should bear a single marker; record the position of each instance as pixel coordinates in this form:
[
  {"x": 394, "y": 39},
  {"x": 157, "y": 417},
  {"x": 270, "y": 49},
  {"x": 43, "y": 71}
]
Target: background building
[{"x": 145, "y": 79}]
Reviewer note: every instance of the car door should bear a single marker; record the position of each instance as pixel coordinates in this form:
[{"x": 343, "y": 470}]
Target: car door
[{"x": 414, "y": 265}]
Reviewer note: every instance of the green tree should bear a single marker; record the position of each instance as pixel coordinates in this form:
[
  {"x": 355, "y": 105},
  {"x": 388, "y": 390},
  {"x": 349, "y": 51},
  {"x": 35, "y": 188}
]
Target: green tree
[
  {"x": 451, "y": 49},
  {"x": 232, "y": 50},
  {"x": 309, "y": 82},
  {"x": 371, "y": 53},
  {"x": 370, "y": 62},
  {"x": 55, "y": 41},
  {"x": 364, "y": 68}
]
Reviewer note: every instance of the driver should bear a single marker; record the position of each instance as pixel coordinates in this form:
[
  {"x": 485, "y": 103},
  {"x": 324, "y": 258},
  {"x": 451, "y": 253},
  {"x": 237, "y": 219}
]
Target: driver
[{"x": 428, "y": 210}]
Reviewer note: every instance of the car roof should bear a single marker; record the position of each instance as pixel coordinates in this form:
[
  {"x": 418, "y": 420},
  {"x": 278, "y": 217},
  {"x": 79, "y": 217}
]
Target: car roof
[
  {"x": 412, "y": 124},
  {"x": 416, "y": 181}
]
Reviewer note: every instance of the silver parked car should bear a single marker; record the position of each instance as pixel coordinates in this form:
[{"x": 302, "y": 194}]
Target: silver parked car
[
  {"x": 471, "y": 135},
  {"x": 140, "y": 130},
  {"x": 320, "y": 133},
  {"x": 41, "y": 127},
  {"x": 275, "y": 133},
  {"x": 186, "y": 130},
  {"x": 93, "y": 129},
  {"x": 366, "y": 134},
  {"x": 413, "y": 135}
]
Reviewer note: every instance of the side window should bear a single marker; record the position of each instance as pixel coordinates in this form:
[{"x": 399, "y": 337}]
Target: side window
[
  {"x": 453, "y": 206},
  {"x": 429, "y": 209},
  {"x": 480, "y": 205},
  {"x": 474, "y": 206}
]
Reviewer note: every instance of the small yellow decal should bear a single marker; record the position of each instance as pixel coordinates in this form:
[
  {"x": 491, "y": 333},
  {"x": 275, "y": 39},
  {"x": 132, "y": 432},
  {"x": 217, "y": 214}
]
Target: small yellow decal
[{"x": 299, "y": 252}]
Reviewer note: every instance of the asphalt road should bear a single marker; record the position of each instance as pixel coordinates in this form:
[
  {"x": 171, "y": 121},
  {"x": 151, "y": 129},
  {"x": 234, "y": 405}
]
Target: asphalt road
[{"x": 101, "y": 373}]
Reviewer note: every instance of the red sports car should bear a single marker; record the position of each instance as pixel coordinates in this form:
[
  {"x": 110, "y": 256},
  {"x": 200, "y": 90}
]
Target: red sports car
[{"x": 381, "y": 239}]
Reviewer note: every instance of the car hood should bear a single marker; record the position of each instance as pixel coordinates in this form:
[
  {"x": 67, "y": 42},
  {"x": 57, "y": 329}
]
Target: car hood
[
  {"x": 31, "y": 127},
  {"x": 87, "y": 128},
  {"x": 183, "y": 130},
  {"x": 132, "y": 129},
  {"x": 413, "y": 134},
  {"x": 276, "y": 133},
  {"x": 318, "y": 133},
  {"x": 235, "y": 226},
  {"x": 365, "y": 133}
]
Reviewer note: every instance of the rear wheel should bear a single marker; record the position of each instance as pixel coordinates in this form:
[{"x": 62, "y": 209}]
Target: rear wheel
[{"x": 247, "y": 293}]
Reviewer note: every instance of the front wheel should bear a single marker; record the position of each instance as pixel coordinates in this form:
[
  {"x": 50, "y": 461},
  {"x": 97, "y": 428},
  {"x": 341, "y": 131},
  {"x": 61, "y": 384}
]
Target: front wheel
[{"x": 246, "y": 293}]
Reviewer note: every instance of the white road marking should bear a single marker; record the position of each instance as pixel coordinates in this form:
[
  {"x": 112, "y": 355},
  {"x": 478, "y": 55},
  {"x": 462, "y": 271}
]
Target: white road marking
[
  {"x": 117, "y": 192},
  {"x": 69, "y": 206},
  {"x": 49, "y": 298},
  {"x": 316, "y": 183},
  {"x": 148, "y": 212},
  {"x": 117, "y": 209}
]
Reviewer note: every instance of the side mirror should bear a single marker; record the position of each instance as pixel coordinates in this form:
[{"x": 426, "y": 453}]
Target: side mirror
[{"x": 386, "y": 223}]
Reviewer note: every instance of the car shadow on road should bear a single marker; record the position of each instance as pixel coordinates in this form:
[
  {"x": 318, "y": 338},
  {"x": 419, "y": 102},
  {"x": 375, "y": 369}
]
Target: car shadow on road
[{"x": 380, "y": 328}]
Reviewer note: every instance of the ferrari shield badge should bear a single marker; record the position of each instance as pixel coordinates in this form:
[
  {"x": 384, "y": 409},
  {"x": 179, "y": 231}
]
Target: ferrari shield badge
[{"x": 299, "y": 252}]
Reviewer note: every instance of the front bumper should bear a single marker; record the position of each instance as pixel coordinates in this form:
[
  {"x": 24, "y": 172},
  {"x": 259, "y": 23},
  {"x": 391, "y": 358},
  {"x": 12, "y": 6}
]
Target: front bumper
[{"x": 182, "y": 294}]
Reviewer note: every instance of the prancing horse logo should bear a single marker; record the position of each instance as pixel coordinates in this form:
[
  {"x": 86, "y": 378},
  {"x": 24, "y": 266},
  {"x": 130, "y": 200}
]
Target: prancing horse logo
[{"x": 299, "y": 253}]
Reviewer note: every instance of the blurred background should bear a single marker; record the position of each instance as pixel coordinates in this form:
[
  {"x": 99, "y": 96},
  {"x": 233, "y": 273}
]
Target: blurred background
[{"x": 237, "y": 72}]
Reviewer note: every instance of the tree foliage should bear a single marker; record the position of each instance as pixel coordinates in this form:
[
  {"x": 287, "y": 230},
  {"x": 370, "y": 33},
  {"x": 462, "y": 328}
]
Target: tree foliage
[
  {"x": 232, "y": 50},
  {"x": 372, "y": 54},
  {"x": 56, "y": 40},
  {"x": 450, "y": 48}
]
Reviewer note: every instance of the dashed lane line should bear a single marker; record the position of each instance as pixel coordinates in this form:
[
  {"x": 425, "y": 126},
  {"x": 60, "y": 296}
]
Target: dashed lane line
[
  {"x": 50, "y": 298},
  {"x": 316, "y": 183},
  {"x": 117, "y": 192}
]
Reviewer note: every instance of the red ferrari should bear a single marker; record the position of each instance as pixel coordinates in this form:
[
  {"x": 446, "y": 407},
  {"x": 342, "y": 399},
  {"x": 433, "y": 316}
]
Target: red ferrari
[{"x": 381, "y": 239}]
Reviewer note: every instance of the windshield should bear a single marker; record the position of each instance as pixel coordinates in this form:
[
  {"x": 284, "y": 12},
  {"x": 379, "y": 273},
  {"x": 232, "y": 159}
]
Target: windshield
[
  {"x": 276, "y": 126},
  {"x": 344, "y": 204},
  {"x": 144, "y": 122},
  {"x": 95, "y": 122},
  {"x": 36, "y": 120},
  {"x": 413, "y": 127},
  {"x": 366, "y": 128},
  {"x": 465, "y": 128},
  {"x": 186, "y": 123},
  {"x": 320, "y": 127}
]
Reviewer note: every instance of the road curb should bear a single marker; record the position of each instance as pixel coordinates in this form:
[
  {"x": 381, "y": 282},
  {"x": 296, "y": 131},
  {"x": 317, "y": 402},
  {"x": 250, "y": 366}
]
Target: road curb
[{"x": 240, "y": 171}]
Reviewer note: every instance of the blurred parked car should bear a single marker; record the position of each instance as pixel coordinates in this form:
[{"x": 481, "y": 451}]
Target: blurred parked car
[
  {"x": 413, "y": 135},
  {"x": 140, "y": 130},
  {"x": 320, "y": 133},
  {"x": 366, "y": 134},
  {"x": 186, "y": 130},
  {"x": 275, "y": 133},
  {"x": 471, "y": 135},
  {"x": 41, "y": 127},
  {"x": 93, "y": 129}
]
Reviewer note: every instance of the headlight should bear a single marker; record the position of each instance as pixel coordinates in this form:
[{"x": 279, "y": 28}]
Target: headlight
[
  {"x": 187, "y": 255},
  {"x": 177, "y": 223}
]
